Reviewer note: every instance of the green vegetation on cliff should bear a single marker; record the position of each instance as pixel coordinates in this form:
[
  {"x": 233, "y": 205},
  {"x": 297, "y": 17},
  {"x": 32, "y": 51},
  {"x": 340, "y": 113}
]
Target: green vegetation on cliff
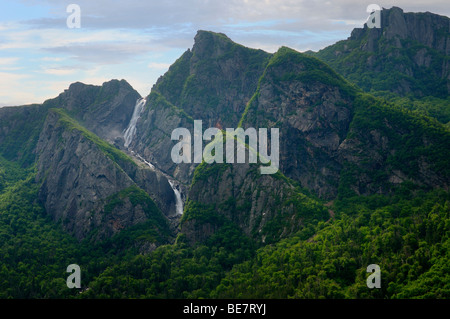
[{"x": 383, "y": 158}]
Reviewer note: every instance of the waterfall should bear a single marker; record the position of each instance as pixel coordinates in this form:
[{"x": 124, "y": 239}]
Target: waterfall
[
  {"x": 128, "y": 137},
  {"x": 146, "y": 162},
  {"x": 131, "y": 130},
  {"x": 179, "y": 201}
]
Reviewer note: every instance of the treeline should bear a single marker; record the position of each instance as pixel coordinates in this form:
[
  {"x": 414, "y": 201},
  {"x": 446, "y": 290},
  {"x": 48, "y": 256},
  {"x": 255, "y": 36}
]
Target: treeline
[
  {"x": 34, "y": 252},
  {"x": 407, "y": 237}
]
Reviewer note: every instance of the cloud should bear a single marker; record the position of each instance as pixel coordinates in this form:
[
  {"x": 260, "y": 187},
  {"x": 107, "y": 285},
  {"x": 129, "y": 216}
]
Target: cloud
[
  {"x": 100, "y": 53},
  {"x": 8, "y": 61},
  {"x": 59, "y": 71},
  {"x": 138, "y": 40},
  {"x": 12, "y": 91}
]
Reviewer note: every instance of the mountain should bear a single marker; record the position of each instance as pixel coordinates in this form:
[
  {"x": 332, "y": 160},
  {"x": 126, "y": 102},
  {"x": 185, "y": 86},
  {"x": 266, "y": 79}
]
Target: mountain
[
  {"x": 408, "y": 55},
  {"x": 89, "y": 185},
  {"x": 335, "y": 142},
  {"x": 406, "y": 60},
  {"x": 88, "y": 177},
  {"x": 212, "y": 82},
  {"x": 331, "y": 131},
  {"x": 105, "y": 110}
]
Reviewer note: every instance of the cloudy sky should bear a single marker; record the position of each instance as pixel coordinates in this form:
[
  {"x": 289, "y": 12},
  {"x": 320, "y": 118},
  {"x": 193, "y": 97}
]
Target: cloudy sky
[{"x": 137, "y": 40}]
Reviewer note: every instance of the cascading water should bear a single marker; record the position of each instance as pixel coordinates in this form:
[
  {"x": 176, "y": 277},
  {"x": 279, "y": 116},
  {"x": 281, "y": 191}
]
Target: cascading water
[
  {"x": 179, "y": 201},
  {"x": 131, "y": 130},
  {"x": 128, "y": 137}
]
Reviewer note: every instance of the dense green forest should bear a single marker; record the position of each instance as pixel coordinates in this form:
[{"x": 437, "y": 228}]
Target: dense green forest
[
  {"x": 407, "y": 235},
  {"x": 264, "y": 237}
]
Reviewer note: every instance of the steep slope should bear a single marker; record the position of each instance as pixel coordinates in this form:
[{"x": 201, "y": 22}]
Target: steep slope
[
  {"x": 105, "y": 110},
  {"x": 215, "y": 80},
  {"x": 19, "y": 131},
  {"x": 408, "y": 55},
  {"x": 388, "y": 148},
  {"x": 334, "y": 141},
  {"x": 406, "y": 237},
  {"x": 212, "y": 82},
  {"x": 327, "y": 125},
  {"x": 89, "y": 185},
  {"x": 313, "y": 108},
  {"x": 264, "y": 207}
]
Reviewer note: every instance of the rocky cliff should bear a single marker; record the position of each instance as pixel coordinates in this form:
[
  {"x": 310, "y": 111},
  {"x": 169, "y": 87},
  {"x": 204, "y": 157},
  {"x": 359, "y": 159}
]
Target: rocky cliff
[
  {"x": 89, "y": 185},
  {"x": 408, "y": 55},
  {"x": 313, "y": 108},
  {"x": 265, "y": 207},
  {"x": 105, "y": 110},
  {"x": 335, "y": 141},
  {"x": 212, "y": 82}
]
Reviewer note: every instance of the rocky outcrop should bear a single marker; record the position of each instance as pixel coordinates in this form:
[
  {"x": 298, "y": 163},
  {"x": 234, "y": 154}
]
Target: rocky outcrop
[
  {"x": 426, "y": 29},
  {"x": 212, "y": 82},
  {"x": 215, "y": 80},
  {"x": 334, "y": 137},
  {"x": 265, "y": 207},
  {"x": 90, "y": 186},
  {"x": 408, "y": 55},
  {"x": 105, "y": 110},
  {"x": 313, "y": 108}
]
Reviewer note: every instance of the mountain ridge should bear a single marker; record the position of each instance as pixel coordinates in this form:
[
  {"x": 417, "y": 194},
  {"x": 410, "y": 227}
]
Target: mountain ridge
[
  {"x": 361, "y": 180},
  {"x": 408, "y": 55}
]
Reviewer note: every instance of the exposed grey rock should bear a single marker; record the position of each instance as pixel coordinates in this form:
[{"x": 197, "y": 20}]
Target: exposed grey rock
[
  {"x": 212, "y": 82},
  {"x": 105, "y": 110},
  {"x": 247, "y": 198},
  {"x": 78, "y": 178}
]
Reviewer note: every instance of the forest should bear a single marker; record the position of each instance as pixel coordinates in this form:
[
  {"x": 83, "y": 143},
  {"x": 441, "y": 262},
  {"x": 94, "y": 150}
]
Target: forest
[{"x": 406, "y": 234}]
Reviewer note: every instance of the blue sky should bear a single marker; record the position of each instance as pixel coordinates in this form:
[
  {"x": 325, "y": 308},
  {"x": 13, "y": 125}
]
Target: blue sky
[{"x": 138, "y": 40}]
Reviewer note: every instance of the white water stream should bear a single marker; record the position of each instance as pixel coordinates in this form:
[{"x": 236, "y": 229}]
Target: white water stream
[
  {"x": 131, "y": 130},
  {"x": 179, "y": 201},
  {"x": 128, "y": 137}
]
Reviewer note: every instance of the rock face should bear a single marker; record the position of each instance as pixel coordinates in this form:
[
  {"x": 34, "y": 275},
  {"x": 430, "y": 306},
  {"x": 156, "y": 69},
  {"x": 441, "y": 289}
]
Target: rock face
[
  {"x": 408, "y": 55},
  {"x": 313, "y": 108},
  {"x": 215, "y": 80},
  {"x": 105, "y": 110},
  {"x": 81, "y": 177},
  {"x": 256, "y": 203},
  {"x": 331, "y": 135},
  {"x": 94, "y": 189},
  {"x": 212, "y": 83},
  {"x": 335, "y": 140}
]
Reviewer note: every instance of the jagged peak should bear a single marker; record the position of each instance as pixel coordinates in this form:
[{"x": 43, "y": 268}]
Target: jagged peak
[
  {"x": 208, "y": 43},
  {"x": 203, "y": 34},
  {"x": 113, "y": 82},
  {"x": 85, "y": 92}
]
